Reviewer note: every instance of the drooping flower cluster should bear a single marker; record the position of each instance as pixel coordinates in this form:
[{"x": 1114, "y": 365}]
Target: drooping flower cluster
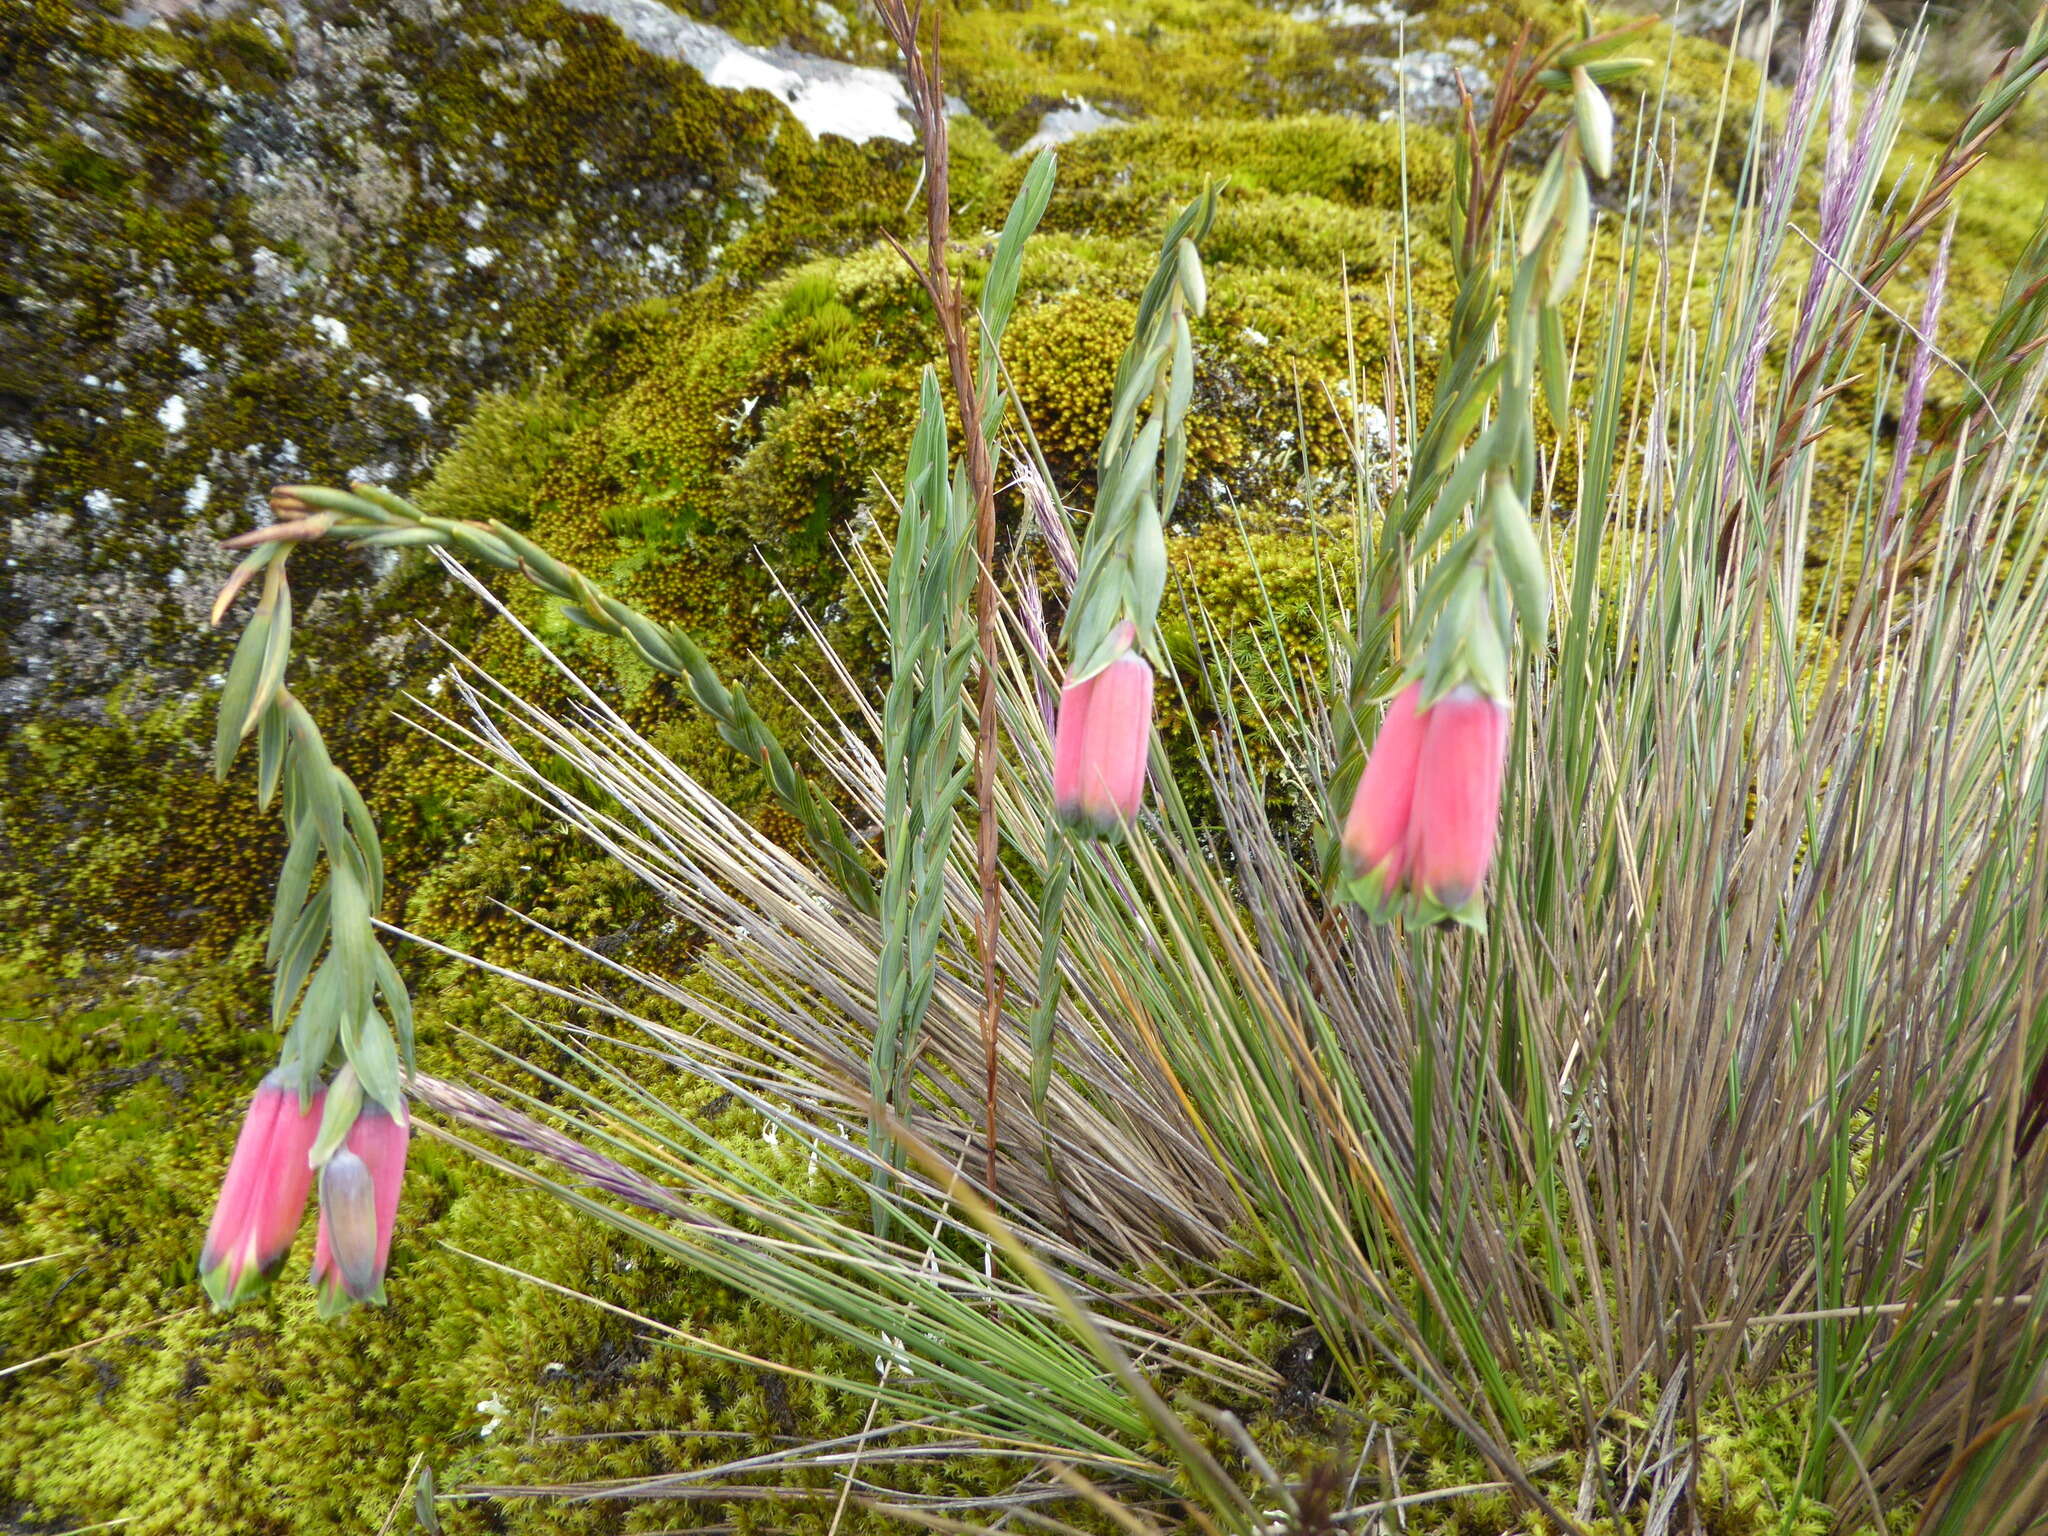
[
  {"x": 263, "y": 1199},
  {"x": 1423, "y": 820}
]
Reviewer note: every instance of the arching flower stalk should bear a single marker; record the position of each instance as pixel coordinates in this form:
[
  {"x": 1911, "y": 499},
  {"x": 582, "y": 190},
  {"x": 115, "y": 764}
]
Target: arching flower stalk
[
  {"x": 1102, "y": 734},
  {"x": 335, "y": 992},
  {"x": 1418, "y": 815},
  {"x": 1114, "y": 613}
]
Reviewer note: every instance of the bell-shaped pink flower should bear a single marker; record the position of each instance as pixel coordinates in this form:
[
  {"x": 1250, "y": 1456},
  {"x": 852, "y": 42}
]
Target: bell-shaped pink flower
[
  {"x": 1376, "y": 831},
  {"x": 358, "y": 1207},
  {"x": 1455, "y": 816},
  {"x": 263, "y": 1196},
  {"x": 1100, "y": 743}
]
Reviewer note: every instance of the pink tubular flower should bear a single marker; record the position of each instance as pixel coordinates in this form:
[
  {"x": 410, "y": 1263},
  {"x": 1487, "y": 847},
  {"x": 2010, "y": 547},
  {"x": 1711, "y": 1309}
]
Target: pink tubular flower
[
  {"x": 1456, "y": 811},
  {"x": 263, "y": 1196},
  {"x": 1376, "y": 831},
  {"x": 358, "y": 1207},
  {"x": 1100, "y": 743}
]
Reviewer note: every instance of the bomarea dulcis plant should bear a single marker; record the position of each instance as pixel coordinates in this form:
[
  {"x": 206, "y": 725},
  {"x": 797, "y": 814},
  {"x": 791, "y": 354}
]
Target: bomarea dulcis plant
[
  {"x": 1472, "y": 475},
  {"x": 1113, "y": 610},
  {"x": 322, "y": 938}
]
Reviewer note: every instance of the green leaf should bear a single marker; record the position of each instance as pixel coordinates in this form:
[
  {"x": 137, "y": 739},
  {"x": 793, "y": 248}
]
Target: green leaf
[
  {"x": 423, "y": 1502},
  {"x": 999, "y": 289},
  {"x": 1464, "y": 611},
  {"x": 313, "y": 1031},
  {"x": 1193, "y": 284},
  {"x": 1458, "y": 491},
  {"x": 1543, "y": 203},
  {"x": 1551, "y": 355},
  {"x": 337, "y": 1116},
  {"x": 1595, "y": 121},
  {"x": 273, "y": 739},
  {"x": 1485, "y": 653},
  {"x": 293, "y": 881},
  {"x": 387, "y": 538},
  {"x": 296, "y": 957},
  {"x": 1479, "y": 394},
  {"x": 243, "y": 671},
  {"x": 1133, "y": 473},
  {"x": 367, "y": 1043},
  {"x": 1600, "y": 71},
  {"x": 1180, "y": 387},
  {"x": 391, "y": 986},
  {"x": 1521, "y": 558},
  {"x": 349, "y": 925},
  {"x": 1574, "y": 237},
  {"x": 1175, "y": 465},
  {"x": 1134, "y": 387},
  {"x": 1148, "y": 564},
  {"x": 277, "y": 652},
  {"x": 1447, "y": 579},
  {"x": 364, "y": 828}
]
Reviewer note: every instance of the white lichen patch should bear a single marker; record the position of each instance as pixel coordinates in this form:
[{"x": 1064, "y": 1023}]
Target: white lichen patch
[
  {"x": 825, "y": 95},
  {"x": 1079, "y": 116}
]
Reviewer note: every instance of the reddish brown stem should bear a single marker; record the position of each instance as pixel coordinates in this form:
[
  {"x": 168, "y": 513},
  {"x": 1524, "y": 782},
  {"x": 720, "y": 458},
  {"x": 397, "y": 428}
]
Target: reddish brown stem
[{"x": 925, "y": 80}]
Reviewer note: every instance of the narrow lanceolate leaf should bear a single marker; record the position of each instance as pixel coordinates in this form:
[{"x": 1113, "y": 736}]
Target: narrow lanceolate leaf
[
  {"x": 1459, "y": 490},
  {"x": 1556, "y": 370},
  {"x": 423, "y": 1509},
  {"x": 398, "y": 1002},
  {"x": 1192, "y": 281},
  {"x": 1052, "y": 903},
  {"x": 1148, "y": 558},
  {"x": 1549, "y": 190},
  {"x": 1486, "y": 651},
  {"x": 318, "y": 1024},
  {"x": 295, "y": 956},
  {"x": 1521, "y": 558},
  {"x": 1006, "y": 268},
  {"x": 293, "y": 881},
  {"x": 1599, "y": 71},
  {"x": 363, "y": 829},
  {"x": 243, "y": 671},
  {"x": 273, "y": 740},
  {"x": 1575, "y": 236},
  {"x": 1180, "y": 387},
  {"x": 1138, "y": 467},
  {"x": 277, "y": 651},
  {"x": 344, "y": 1102},
  {"x": 1595, "y": 119},
  {"x": 367, "y": 1040}
]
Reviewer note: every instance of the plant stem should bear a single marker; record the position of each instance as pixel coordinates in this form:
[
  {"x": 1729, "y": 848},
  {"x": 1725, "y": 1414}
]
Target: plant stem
[{"x": 924, "y": 77}]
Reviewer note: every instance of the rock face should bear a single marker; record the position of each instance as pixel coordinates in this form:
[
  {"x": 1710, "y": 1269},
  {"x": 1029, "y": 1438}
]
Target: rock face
[{"x": 284, "y": 240}]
